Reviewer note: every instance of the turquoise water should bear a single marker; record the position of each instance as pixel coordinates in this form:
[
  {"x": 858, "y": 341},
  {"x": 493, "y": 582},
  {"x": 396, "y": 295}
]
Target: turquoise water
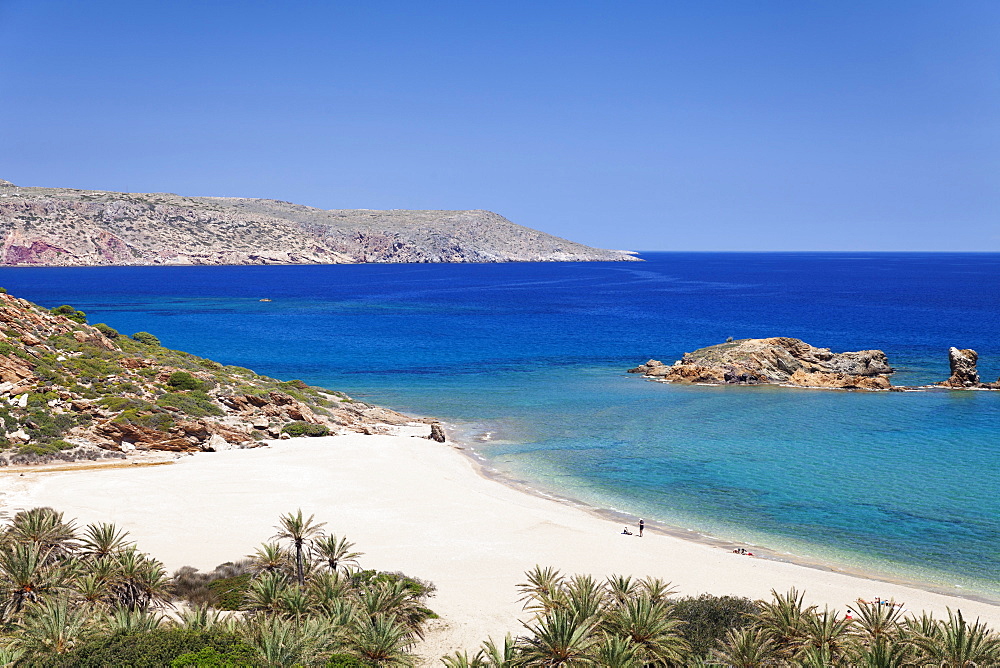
[{"x": 534, "y": 356}]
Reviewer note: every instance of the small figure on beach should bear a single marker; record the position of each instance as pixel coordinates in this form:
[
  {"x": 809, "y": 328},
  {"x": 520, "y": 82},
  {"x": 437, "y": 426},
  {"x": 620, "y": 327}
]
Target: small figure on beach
[
  {"x": 627, "y": 532},
  {"x": 641, "y": 525}
]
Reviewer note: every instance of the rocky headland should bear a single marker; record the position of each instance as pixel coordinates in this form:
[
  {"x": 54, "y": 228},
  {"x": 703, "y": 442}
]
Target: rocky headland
[
  {"x": 787, "y": 361},
  {"x": 775, "y": 361},
  {"x": 71, "y": 391},
  {"x": 69, "y": 227}
]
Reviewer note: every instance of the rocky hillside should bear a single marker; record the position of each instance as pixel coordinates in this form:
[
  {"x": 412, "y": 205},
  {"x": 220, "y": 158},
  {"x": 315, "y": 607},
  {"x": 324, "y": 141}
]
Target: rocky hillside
[
  {"x": 66, "y": 227},
  {"x": 69, "y": 390},
  {"x": 778, "y": 360}
]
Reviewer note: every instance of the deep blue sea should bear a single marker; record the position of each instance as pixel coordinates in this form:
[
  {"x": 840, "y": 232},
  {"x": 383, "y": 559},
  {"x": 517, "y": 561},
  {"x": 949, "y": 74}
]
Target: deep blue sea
[{"x": 534, "y": 356}]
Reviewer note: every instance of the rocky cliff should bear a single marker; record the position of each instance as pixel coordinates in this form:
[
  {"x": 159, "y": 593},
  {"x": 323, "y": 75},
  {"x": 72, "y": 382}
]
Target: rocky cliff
[
  {"x": 66, "y": 227},
  {"x": 69, "y": 390},
  {"x": 778, "y": 360}
]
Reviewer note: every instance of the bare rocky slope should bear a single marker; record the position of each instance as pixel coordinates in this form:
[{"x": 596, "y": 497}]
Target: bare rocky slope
[
  {"x": 69, "y": 390},
  {"x": 67, "y": 227}
]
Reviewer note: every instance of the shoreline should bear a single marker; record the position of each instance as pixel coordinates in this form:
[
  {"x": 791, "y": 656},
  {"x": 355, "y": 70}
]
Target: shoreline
[
  {"x": 764, "y": 552},
  {"x": 428, "y": 510}
]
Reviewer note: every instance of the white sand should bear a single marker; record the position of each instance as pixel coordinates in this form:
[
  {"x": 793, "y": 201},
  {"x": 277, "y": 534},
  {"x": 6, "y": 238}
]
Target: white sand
[{"x": 420, "y": 507}]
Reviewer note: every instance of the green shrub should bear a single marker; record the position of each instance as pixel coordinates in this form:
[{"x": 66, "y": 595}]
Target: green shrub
[
  {"x": 189, "y": 404},
  {"x": 182, "y": 380},
  {"x": 44, "y": 448},
  {"x": 146, "y": 339},
  {"x": 3, "y": 291},
  {"x": 159, "y": 420},
  {"x": 707, "y": 619},
  {"x": 230, "y": 592},
  {"x": 300, "y": 428},
  {"x": 125, "y": 404},
  {"x": 43, "y": 426},
  {"x": 239, "y": 656},
  {"x": 71, "y": 313},
  {"x": 107, "y": 331},
  {"x": 141, "y": 650}
]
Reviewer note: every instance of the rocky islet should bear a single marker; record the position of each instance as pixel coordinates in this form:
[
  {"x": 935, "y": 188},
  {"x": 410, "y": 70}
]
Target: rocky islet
[{"x": 793, "y": 362}]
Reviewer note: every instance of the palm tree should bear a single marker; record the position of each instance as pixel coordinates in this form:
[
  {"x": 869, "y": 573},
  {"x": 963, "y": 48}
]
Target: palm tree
[
  {"x": 621, "y": 588},
  {"x": 45, "y": 528},
  {"x": 26, "y": 575},
  {"x": 382, "y": 641},
  {"x": 827, "y": 634},
  {"x": 335, "y": 551},
  {"x": 283, "y": 642},
  {"x": 878, "y": 620},
  {"x": 651, "y": 626},
  {"x": 584, "y": 596},
  {"x": 542, "y": 590},
  {"x": 748, "y": 647},
  {"x": 885, "y": 652},
  {"x": 266, "y": 593},
  {"x": 617, "y": 652},
  {"x": 138, "y": 582},
  {"x": 270, "y": 557},
  {"x": 500, "y": 656},
  {"x": 657, "y": 589},
  {"x": 299, "y": 530},
  {"x": 960, "y": 644},
  {"x": 53, "y": 627},
  {"x": 101, "y": 540},
  {"x": 559, "y": 639},
  {"x": 784, "y": 620},
  {"x": 200, "y": 618},
  {"x": 131, "y": 621}
]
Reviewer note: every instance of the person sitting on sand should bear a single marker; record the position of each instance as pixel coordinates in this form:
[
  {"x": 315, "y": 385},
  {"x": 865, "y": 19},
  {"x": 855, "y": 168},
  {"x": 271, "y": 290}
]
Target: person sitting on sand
[{"x": 627, "y": 532}]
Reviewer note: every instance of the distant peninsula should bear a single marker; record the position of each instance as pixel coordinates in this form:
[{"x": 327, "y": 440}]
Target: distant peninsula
[{"x": 70, "y": 227}]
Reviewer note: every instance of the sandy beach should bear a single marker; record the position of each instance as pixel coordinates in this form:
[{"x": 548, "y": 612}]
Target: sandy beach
[{"x": 419, "y": 507}]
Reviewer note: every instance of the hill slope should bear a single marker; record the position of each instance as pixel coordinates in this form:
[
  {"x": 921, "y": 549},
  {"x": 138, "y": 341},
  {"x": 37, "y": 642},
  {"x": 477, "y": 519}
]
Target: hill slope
[
  {"x": 66, "y": 227},
  {"x": 69, "y": 391}
]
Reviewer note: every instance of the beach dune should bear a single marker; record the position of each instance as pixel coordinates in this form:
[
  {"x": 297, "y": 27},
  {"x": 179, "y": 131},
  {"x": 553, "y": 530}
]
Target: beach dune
[{"x": 422, "y": 508}]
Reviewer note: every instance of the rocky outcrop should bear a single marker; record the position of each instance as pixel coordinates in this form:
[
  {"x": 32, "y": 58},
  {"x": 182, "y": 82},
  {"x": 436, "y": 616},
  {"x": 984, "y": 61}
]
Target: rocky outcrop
[
  {"x": 437, "y": 433},
  {"x": 68, "y": 389},
  {"x": 66, "y": 227},
  {"x": 963, "y": 368},
  {"x": 778, "y": 360}
]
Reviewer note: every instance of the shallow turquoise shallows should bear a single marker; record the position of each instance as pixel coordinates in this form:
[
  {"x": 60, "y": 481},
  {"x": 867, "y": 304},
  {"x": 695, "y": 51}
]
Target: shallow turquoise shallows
[{"x": 533, "y": 356}]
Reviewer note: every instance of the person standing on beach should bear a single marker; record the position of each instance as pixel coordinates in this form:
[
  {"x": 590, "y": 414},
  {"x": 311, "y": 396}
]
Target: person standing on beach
[{"x": 641, "y": 525}]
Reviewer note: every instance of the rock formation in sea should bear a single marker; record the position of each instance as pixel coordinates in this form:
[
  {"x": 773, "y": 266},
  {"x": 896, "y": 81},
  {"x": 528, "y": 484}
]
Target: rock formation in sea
[
  {"x": 68, "y": 227},
  {"x": 69, "y": 390},
  {"x": 777, "y": 360},
  {"x": 963, "y": 368},
  {"x": 964, "y": 374}
]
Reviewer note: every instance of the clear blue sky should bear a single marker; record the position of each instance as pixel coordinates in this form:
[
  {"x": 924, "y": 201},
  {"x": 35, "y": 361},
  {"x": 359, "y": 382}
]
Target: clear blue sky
[{"x": 752, "y": 125}]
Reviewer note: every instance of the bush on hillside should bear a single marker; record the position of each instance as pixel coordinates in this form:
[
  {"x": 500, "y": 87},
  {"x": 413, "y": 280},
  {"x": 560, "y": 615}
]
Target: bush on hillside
[
  {"x": 189, "y": 404},
  {"x": 107, "y": 331},
  {"x": 300, "y": 428},
  {"x": 71, "y": 313},
  {"x": 146, "y": 339},
  {"x": 182, "y": 380}
]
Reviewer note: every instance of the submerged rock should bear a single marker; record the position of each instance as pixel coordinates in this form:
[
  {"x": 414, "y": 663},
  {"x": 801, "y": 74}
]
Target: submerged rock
[{"x": 776, "y": 360}]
